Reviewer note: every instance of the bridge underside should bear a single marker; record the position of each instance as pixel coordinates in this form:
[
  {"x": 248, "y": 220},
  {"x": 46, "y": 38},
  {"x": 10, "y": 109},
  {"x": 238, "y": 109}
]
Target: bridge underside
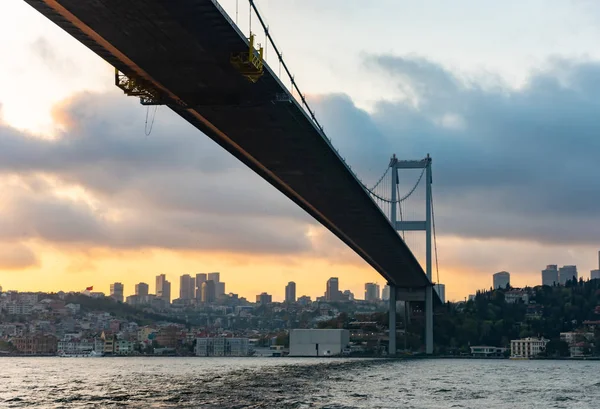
[{"x": 183, "y": 49}]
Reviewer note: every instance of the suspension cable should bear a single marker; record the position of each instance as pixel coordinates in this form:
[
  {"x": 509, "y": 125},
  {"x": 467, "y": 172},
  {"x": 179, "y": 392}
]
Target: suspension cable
[
  {"x": 406, "y": 196},
  {"x": 437, "y": 267}
]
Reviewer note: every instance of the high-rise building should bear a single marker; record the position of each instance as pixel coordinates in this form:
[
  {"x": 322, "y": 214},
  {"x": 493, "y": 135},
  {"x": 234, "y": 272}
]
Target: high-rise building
[
  {"x": 440, "y": 289},
  {"x": 142, "y": 289},
  {"x": 216, "y": 277},
  {"x": 163, "y": 288},
  {"x": 208, "y": 291},
  {"x": 566, "y": 273},
  {"x": 186, "y": 287},
  {"x": 290, "y": 292},
  {"x": 264, "y": 298},
  {"x": 371, "y": 292},
  {"x": 595, "y": 275},
  {"x": 219, "y": 289},
  {"x": 200, "y": 278},
  {"x": 550, "y": 275},
  {"x": 385, "y": 293},
  {"x": 501, "y": 279},
  {"x": 333, "y": 290},
  {"x": 116, "y": 292}
]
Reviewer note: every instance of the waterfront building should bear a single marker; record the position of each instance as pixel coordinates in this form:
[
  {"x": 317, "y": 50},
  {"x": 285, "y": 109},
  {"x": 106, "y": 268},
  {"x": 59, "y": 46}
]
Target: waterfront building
[
  {"x": 142, "y": 289},
  {"x": 290, "y": 292},
  {"x": 208, "y": 291},
  {"x": 36, "y": 344},
  {"x": 527, "y": 347},
  {"x": 318, "y": 342},
  {"x": 169, "y": 337},
  {"x": 221, "y": 346},
  {"x": 75, "y": 346},
  {"x": 371, "y": 292},
  {"x": 440, "y": 289},
  {"x": 187, "y": 286},
  {"x": 501, "y": 279},
  {"x": 487, "y": 351},
  {"x": 264, "y": 298},
  {"x": 566, "y": 273},
  {"x": 123, "y": 347},
  {"x": 550, "y": 275},
  {"x": 163, "y": 288},
  {"x": 116, "y": 292}
]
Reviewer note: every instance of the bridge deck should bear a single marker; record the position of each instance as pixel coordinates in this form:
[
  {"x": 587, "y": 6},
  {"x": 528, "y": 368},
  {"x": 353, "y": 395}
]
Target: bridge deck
[{"x": 183, "y": 48}]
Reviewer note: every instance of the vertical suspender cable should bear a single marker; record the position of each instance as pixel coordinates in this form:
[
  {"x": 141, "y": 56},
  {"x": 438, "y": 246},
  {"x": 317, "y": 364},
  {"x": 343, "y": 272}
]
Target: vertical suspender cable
[{"x": 437, "y": 270}]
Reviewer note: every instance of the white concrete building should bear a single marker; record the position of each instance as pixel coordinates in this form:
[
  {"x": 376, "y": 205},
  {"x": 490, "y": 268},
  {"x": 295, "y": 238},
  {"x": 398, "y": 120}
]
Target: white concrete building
[
  {"x": 527, "y": 347},
  {"x": 318, "y": 342}
]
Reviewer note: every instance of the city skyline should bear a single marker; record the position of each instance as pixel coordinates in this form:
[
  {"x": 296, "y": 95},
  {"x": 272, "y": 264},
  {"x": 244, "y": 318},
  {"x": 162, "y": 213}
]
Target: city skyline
[{"x": 89, "y": 198}]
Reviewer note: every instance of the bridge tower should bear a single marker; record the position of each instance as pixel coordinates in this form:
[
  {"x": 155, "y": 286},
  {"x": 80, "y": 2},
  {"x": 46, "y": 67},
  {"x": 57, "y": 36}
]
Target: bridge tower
[{"x": 407, "y": 294}]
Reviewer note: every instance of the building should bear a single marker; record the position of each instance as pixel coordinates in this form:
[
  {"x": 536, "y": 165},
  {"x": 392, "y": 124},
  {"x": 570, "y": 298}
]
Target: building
[
  {"x": 200, "y": 278},
  {"x": 116, "y": 292},
  {"x": 222, "y": 346},
  {"x": 595, "y": 275},
  {"x": 208, "y": 291},
  {"x": 219, "y": 289},
  {"x": 527, "y": 347},
  {"x": 332, "y": 292},
  {"x": 318, "y": 342},
  {"x": 142, "y": 289},
  {"x": 216, "y": 277},
  {"x": 572, "y": 338},
  {"x": 304, "y": 300},
  {"x": 440, "y": 289},
  {"x": 163, "y": 288},
  {"x": 567, "y": 273},
  {"x": 264, "y": 298},
  {"x": 36, "y": 344},
  {"x": 187, "y": 286},
  {"x": 385, "y": 293},
  {"x": 169, "y": 337},
  {"x": 348, "y": 295},
  {"x": 290, "y": 292},
  {"x": 515, "y": 296},
  {"x": 486, "y": 351},
  {"x": 501, "y": 279},
  {"x": 371, "y": 292},
  {"x": 550, "y": 275}
]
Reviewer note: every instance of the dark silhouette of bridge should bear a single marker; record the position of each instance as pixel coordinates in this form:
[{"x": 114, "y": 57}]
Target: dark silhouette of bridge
[{"x": 190, "y": 56}]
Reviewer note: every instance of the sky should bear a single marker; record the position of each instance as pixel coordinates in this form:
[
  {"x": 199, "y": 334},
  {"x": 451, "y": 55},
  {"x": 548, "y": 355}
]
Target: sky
[{"x": 503, "y": 95}]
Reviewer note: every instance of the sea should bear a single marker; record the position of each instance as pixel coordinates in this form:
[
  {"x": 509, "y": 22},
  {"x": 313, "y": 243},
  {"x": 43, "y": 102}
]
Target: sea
[{"x": 296, "y": 383}]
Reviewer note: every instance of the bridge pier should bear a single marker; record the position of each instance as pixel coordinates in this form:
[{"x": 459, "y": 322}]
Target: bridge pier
[
  {"x": 392, "y": 321},
  {"x": 429, "y": 320}
]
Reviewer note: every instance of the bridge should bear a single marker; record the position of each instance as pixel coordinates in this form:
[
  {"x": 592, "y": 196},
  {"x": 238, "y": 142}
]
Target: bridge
[{"x": 190, "y": 56}]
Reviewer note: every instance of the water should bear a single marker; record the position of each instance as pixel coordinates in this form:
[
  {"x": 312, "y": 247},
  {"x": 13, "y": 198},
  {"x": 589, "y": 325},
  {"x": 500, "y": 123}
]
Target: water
[{"x": 296, "y": 383}]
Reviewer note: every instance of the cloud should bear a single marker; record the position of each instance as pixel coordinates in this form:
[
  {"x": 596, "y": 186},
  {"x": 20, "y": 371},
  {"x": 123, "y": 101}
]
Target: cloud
[
  {"x": 16, "y": 257},
  {"x": 103, "y": 182},
  {"x": 508, "y": 163}
]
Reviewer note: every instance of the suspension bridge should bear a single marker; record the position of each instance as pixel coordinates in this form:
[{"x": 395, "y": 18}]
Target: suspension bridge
[{"x": 191, "y": 56}]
